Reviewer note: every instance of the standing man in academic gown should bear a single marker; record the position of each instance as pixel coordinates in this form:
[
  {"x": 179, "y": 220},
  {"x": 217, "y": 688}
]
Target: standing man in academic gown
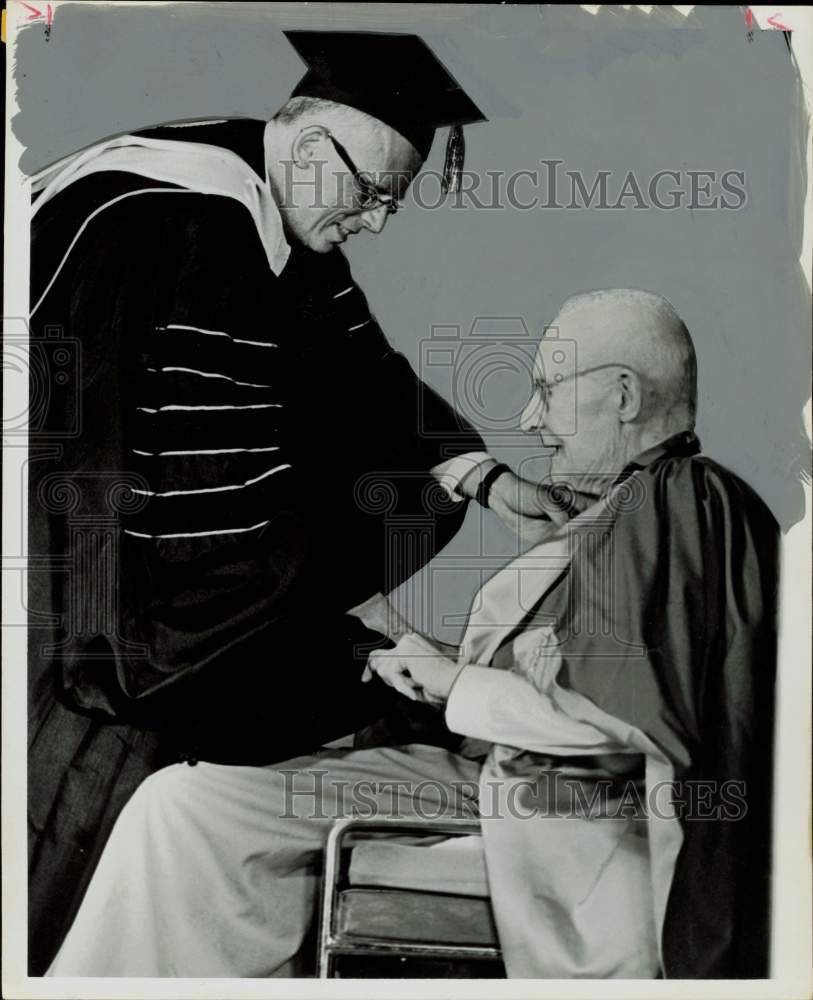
[{"x": 220, "y": 507}]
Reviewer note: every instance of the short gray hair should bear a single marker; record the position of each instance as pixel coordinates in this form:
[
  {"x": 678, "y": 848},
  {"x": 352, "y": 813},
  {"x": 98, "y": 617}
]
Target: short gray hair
[
  {"x": 662, "y": 338},
  {"x": 296, "y": 108}
]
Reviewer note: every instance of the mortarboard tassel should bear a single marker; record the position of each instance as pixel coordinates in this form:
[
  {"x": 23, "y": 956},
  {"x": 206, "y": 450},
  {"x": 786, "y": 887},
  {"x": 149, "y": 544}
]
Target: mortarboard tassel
[{"x": 455, "y": 155}]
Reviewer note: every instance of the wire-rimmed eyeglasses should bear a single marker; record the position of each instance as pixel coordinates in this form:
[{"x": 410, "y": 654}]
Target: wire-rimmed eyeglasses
[{"x": 545, "y": 388}]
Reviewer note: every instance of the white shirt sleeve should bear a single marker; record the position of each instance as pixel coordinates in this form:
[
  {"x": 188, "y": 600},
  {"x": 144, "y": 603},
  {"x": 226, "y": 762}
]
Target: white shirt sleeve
[
  {"x": 502, "y": 707},
  {"x": 451, "y": 473}
]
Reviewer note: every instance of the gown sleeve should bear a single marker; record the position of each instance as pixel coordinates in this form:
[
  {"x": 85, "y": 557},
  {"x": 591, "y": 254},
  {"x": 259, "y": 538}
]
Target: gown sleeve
[{"x": 500, "y": 707}]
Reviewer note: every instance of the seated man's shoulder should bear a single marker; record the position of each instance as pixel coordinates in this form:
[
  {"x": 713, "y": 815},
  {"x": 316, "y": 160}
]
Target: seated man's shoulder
[{"x": 698, "y": 482}]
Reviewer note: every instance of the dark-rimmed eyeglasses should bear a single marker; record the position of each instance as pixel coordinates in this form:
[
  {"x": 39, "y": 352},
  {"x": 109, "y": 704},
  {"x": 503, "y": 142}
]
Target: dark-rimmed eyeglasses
[{"x": 369, "y": 196}]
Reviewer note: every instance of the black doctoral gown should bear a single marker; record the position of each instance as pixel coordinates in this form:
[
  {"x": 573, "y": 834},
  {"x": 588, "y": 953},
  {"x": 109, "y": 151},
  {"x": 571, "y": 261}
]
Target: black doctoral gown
[{"x": 224, "y": 460}]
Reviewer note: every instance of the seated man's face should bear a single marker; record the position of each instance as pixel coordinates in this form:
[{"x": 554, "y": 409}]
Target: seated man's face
[
  {"x": 329, "y": 205},
  {"x": 574, "y": 413}
]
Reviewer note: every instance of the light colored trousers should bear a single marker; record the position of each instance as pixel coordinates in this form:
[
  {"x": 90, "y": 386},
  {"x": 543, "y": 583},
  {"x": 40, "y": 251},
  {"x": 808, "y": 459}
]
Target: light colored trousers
[{"x": 214, "y": 871}]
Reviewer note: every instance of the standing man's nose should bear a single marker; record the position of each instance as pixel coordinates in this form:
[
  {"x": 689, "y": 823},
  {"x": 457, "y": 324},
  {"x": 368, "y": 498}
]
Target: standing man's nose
[{"x": 375, "y": 219}]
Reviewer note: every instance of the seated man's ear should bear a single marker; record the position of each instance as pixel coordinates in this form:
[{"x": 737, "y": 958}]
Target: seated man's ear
[
  {"x": 309, "y": 145},
  {"x": 630, "y": 396}
]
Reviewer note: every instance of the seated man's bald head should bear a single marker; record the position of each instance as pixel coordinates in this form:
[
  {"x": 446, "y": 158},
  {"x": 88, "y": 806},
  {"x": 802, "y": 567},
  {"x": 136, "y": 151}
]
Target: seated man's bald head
[
  {"x": 642, "y": 330},
  {"x": 633, "y": 384}
]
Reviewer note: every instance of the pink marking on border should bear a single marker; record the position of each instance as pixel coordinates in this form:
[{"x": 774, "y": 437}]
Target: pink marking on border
[{"x": 775, "y": 24}]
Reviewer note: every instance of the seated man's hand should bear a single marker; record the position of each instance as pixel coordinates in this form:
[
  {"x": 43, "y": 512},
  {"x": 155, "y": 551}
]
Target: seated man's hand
[{"x": 416, "y": 667}]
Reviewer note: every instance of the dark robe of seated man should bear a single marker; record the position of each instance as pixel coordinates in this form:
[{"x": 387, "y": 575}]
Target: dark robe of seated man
[{"x": 615, "y": 688}]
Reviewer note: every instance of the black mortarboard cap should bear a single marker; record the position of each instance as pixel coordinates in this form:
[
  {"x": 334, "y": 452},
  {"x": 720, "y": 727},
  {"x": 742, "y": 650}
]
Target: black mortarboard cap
[{"x": 395, "y": 78}]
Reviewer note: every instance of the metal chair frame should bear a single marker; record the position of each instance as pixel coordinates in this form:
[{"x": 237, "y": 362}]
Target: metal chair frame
[{"x": 332, "y": 943}]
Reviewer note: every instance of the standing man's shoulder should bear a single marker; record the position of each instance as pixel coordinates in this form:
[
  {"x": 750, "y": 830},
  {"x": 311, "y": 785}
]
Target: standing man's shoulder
[
  {"x": 117, "y": 198},
  {"x": 243, "y": 136}
]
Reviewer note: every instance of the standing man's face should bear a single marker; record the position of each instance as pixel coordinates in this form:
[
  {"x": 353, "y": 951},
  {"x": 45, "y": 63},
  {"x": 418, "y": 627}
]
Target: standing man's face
[{"x": 323, "y": 205}]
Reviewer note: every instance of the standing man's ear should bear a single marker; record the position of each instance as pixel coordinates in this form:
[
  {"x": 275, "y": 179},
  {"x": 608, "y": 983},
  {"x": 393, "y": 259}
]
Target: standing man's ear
[
  {"x": 308, "y": 144},
  {"x": 630, "y": 396}
]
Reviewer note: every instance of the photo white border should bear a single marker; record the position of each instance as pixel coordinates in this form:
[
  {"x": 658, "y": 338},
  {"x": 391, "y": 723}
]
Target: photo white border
[{"x": 793, "y": 884}]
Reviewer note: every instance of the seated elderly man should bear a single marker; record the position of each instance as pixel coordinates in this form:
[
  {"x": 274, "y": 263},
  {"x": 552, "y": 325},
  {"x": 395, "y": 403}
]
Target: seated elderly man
[{"x": 614, "y": 684}]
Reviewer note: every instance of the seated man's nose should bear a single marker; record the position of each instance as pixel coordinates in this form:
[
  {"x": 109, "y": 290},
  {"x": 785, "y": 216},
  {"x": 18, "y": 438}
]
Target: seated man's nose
[
  {"x": 375, "y": 219},
  {"x": 532, "y": 417}
]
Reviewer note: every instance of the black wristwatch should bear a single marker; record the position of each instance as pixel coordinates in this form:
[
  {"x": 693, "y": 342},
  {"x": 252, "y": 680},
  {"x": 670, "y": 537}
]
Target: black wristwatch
[{"x": 483, "y": 490}]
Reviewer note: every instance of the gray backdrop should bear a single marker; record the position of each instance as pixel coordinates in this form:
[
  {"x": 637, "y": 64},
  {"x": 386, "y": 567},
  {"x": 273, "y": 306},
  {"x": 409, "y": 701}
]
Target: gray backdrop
[{"x": 619, "y": 91}]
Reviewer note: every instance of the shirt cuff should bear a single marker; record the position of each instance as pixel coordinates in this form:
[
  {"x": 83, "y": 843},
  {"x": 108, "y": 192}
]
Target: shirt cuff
[
  {"x": 451, "y": 473},
  {"x": 360, "y": 610},
  {"x": 377, "y": 613}
]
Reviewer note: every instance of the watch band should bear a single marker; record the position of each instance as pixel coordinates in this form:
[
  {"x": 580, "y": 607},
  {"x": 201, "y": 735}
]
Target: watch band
[{"x": 483, "y": 490}]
